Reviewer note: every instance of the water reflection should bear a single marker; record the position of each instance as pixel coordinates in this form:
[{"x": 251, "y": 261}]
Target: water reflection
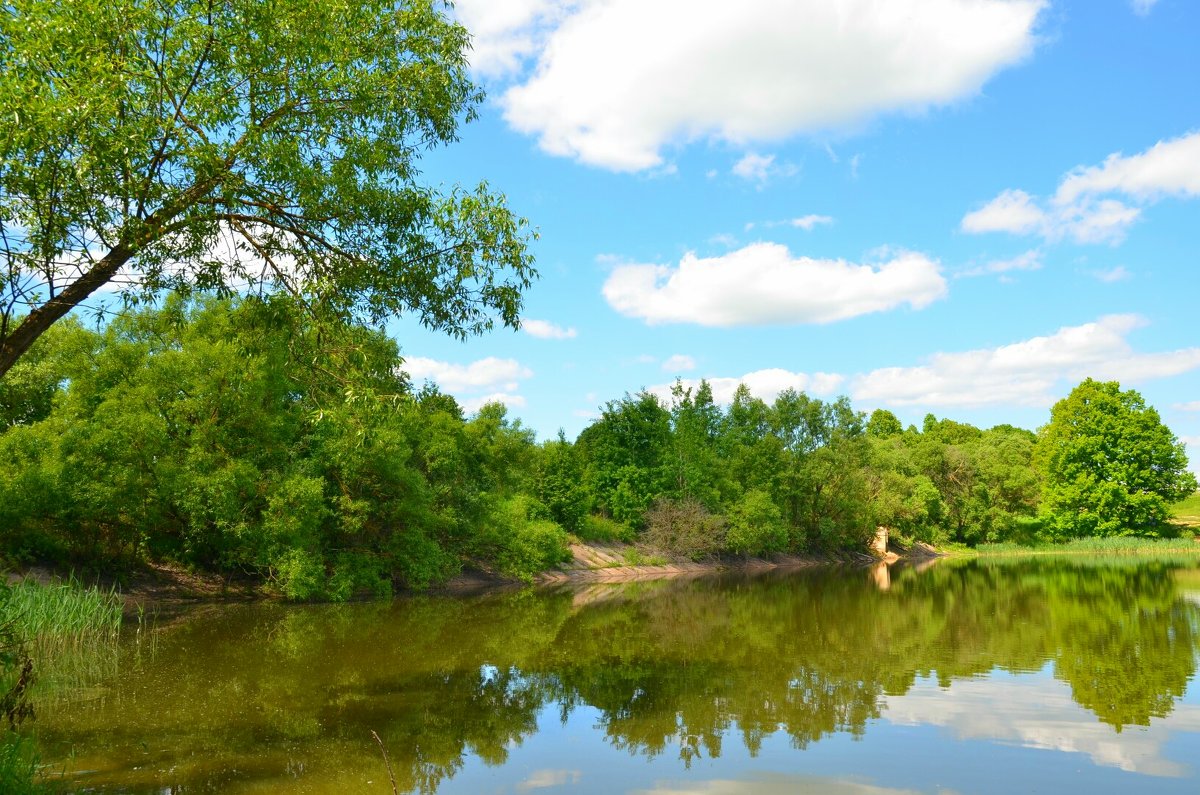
[{"x": 681, "y": 673}]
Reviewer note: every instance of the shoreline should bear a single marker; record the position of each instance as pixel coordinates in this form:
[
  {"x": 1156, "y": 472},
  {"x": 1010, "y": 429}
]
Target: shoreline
[{"x": 157, "y": 587}]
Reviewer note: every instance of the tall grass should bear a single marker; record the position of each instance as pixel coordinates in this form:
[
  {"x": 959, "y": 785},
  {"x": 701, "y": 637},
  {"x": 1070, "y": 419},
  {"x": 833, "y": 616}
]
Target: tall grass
[
  {"x": 63, "y": 613},
  {"x": 1097, "y": 546}
]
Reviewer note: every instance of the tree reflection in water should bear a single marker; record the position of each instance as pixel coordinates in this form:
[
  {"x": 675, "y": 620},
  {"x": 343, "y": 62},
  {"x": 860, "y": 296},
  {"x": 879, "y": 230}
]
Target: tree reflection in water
[{"x": 246, "y": 696}]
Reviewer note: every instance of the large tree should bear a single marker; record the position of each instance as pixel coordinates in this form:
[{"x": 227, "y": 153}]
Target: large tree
[
  {"x": 257, "y": 145},
  {"x": 1110, "y": 466}
]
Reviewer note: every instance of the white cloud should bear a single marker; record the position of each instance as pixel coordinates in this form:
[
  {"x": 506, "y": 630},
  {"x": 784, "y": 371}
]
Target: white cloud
[
  {"x": 484, "y": 375},
  {"x": 1169, "y": 168},
  {"x": 1029, "y": 261},
  {"x": 1142, "y": 7},
  {"x": 753, "y": 167},
  {"x": 545, "y": 330},
  {"x": 1017, "y": 212},
  {"x": 505, "y": 34},
  {"x": 1032, "y": 372},
  {"x": 1193, "y": 405},
  {"x": 776, "y": 784},
  {"x": 807, "y": 222},
  {"x": 542, "y": 779},
  {"x": 679, "y": 363},
  {"x": 1012, "y": 211},
  {"x": 765, "y": 384},
  {"x": 1117, "y": 274},
  {"x": 1083, "y": 207},
  {"x": 764, "y": 284},
  {"x": 470, "y": 405},
  {"x": 758, "y": 168},
  {"x": 617, "y": 81},
  {"x": 1041, "y": 713}
]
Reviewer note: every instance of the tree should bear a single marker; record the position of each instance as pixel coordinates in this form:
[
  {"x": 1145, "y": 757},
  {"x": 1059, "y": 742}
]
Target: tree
[
  {"x": 241, "y": 145},
  {"x": 1109, "y": 465}
]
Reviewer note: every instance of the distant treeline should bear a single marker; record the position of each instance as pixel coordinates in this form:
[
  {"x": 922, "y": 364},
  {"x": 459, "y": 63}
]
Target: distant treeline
[{"x": 246, "y": 436}]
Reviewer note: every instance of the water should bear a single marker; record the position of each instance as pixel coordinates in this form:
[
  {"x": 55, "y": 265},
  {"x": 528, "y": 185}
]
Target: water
[{"x": 1044, "y": 675}]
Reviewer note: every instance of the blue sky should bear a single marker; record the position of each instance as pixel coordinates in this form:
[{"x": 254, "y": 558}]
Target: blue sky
[{"x": 953, "y": 206}]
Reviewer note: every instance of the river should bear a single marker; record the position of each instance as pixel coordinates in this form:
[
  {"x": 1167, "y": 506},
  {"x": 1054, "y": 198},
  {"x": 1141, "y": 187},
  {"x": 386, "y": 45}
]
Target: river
[{"x": 987, "y": 676}]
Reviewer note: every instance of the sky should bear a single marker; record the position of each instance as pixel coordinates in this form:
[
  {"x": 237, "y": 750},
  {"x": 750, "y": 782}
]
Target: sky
[{"x": 962, "y": 207}]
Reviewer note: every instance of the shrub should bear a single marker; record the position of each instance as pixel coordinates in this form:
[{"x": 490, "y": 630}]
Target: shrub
[
  {"x": 601, "y": 528},
  {"x": 685, "y": 528}
]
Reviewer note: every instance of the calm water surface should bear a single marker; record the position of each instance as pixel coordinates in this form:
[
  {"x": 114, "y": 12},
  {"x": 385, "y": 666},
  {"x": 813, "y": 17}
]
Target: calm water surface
[{"x": 1043, "y": 675}]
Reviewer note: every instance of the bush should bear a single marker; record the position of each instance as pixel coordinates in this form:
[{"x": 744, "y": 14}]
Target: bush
[
  {"x": 601, "y": 528},
  {"x": 685, "y": 528},
  {"x": 756, "y": 526},
  {"x": 520, "y": 544}
]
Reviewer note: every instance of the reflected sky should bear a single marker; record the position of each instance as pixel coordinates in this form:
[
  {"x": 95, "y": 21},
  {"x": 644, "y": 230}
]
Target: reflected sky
[{"x": 975, "y": 677}]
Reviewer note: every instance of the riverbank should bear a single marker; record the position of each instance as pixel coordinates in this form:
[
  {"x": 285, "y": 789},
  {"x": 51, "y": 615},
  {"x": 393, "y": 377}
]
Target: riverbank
[
  {"x": 158, "y": 586},
  {"x": 1125, "y": 545}
]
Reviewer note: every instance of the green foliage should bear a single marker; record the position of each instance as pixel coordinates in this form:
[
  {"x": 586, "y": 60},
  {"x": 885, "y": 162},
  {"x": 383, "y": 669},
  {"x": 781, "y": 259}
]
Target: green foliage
[
  {"x": 521, "y": 544},
  {"x": 141, "y": 137},
  {"x": 883, "y": 424},
  {"x": 559, "y": 479},
  {"x": 601, "y": 528},
  {"x": 247, "y": 436},
  {"x": 64, "y": 612},
  {"x": 1110, "y": 467},
  {"x": 756, "y": 526},
  {"x": 17, "y": 760}
]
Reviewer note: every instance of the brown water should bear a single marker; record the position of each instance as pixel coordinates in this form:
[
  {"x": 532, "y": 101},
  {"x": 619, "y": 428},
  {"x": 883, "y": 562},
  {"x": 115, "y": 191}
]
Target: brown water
[{"x": 1046, "y": 675}]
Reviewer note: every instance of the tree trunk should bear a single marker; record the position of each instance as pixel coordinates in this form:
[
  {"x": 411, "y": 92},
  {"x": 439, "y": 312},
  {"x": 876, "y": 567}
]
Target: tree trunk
[{"x": 43, "y": 317}]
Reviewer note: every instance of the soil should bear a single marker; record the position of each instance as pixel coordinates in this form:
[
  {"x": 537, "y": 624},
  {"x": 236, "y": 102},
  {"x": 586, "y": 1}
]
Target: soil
[{"x": 160, "y": 586}]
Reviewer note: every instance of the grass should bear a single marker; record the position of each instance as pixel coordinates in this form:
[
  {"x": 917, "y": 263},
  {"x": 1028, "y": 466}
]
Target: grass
[
  {"x": 1095, "y": 546},
  {"x": 1187, "y": 512},
  {"x": 635, "y": 557},
  {"x": 63, "y": 613}
]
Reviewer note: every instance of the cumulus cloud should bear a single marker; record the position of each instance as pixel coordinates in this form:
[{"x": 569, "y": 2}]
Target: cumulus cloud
[
  {"x": 1029, "y": 261},
  {"x": 505, "y": 34},
  {"x": 545, "y": 330},
  {"x": 1169, "y": 168},
  {"x": 679, "y": 363},
  {"x": 1041, "y": 713},
  {"x": 764, "y": 284},
  {"x": 489, "y": 380},
  {"x": 1012, "y": 211},
  {"x": 1083, "y": 207},
  {"x": 764, "y": 384},
  {"x": 613, "y": 83},
  {"x": 470, "y": 405},
  {"x": 1032, "y": 372}
]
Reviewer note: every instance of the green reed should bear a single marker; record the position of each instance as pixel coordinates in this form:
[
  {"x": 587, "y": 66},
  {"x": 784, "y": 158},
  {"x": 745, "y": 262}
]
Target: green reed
[
  {"x": 64, "y": 612},
  {"x": 1109, "y": 545}
]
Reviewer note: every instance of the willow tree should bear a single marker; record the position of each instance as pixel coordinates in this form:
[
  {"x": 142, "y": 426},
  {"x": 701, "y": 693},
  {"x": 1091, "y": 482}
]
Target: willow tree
[{"x": 243, "y": 145}]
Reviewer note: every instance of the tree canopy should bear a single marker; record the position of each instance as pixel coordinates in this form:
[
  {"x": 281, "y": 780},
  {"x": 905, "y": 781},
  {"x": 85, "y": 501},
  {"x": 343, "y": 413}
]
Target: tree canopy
[
  {"x": 1109, "y": 465},
  {"x": 242, "y": 145}
]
